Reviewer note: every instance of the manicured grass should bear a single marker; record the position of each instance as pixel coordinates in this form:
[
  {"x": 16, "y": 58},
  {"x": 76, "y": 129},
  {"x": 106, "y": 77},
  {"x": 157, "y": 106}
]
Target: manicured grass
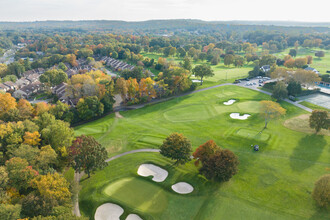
[
  {"x": 274, "y": 183},
  {"x": 312, "y": 106},
  {"x": 222, "y": 73}
]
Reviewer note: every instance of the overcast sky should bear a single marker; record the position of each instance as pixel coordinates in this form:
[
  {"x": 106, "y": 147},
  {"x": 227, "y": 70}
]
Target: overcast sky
[{"x": 139, "y": 10}]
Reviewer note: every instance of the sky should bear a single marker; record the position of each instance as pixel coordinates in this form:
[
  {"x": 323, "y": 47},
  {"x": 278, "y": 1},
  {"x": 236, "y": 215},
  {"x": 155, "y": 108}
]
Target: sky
[{"x": 140, "y": 10}]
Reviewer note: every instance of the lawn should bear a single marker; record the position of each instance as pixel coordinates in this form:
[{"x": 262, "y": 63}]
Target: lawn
[
  {"x": 222, "y": 73},
  {"x": 274, "y": 183}
]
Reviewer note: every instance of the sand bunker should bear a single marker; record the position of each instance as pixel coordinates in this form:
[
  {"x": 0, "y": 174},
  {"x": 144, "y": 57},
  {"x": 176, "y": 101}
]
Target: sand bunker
[
  {"x": 238, "y": 116},
  {"x": 196, "y": 81},
  {"x": 229, "y": 102},
  {"x": 182, "y": 188},
  {"x": 159, "y": 174},
  {"x": 108, "y": 211},
  {"x": 133, "y": 217}
]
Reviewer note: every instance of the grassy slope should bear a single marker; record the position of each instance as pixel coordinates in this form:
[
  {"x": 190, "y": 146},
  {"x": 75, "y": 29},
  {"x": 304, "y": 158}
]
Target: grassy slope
[{"x": 274, "y": 183}]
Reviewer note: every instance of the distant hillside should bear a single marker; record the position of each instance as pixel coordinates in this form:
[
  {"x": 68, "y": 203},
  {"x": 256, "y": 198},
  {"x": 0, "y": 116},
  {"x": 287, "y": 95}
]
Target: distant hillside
[{"x": 170, "y": 25}]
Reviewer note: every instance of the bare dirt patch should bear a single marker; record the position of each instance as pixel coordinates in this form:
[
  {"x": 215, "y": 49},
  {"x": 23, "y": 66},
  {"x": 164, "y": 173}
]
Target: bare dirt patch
[{"x": 301, "y": 124}]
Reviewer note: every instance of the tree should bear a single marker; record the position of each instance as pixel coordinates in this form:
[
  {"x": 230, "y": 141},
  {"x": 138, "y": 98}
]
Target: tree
[
  {"x": 239, "y": 61},
  {"x": 220, "y": 166},
  {"x": 229, "y": 59},
  {"x": 61, "y": 111},
  {"x": 270, "y": 110},
  {"x": 32, "y": 139},
  {"x": 86, "y": 154},
  {"x": 25, "y": 109},
  {"x": 121, "y": 88},
  {"x": 9, "y": 211},
  {"x": 215, "y": 59},
  {"x": 41, "y": 108},
  {"x": 46, "y": 157},
  {"x": 294, "y": 88},
  {"x": 16, "y": 68},
  {"x": 205, "y": 151},
  {"x": 7, "y": 102},
  {"x": 280, "y": 91},
  {"x": 186, "y": 63},
  {"x": 305, "y": 77},
  {"x": 19, "y": 173},
  {"x": 300, "y": 62},
  {"x": 309, "y": 59},
  {"x": 59, "y": 135},
  {"x": 293, "y": 52},
  {"x": 89, "y": 107},
  {"x": 27, "y": 152},
  {"x": 267, "y": 60},
  {"x": 319, "y": 119},
  {"x": 53, "y": 77},
  {"x": 203, "y": 71},
  {"x": 3, "y": 177},
  {"x": 321, "y": 191},
  {"x": 52, "y": 187},
  {"x": 176, "y": 147},
  {"x": 320, "y": 54},
  {"x": 62, "y": 66},
  {"x": 290, "y": 63}
]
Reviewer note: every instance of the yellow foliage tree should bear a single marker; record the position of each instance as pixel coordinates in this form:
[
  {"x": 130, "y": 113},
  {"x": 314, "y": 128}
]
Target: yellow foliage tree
[
  {"x": 32, "y": 139},
  {"x": 7, "y": 102},
  {"x": 270, "y": 110},
  {"x": 52, "y": 187}
]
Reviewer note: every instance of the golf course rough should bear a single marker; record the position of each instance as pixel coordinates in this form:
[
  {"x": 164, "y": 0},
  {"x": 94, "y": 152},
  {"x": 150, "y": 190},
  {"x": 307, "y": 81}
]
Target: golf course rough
[{"x": 159, "y": 174}]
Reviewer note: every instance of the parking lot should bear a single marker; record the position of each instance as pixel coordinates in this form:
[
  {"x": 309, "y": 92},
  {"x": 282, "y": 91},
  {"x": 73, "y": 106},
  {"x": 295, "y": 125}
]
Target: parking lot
[{"x": 254, "y": 83}]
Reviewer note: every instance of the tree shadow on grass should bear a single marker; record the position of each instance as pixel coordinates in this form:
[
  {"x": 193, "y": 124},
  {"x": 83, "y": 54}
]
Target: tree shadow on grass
[{"x": 307, "y": 152}]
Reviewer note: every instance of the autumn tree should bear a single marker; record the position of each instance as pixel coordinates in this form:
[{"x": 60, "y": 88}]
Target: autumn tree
[
  {"x": 300, "y": 62},
  {"x": 7, "y": 102},
  {"x": 280, "y": 91},
  {"x": 32, "y": 139},
  {"x": 121, "y": 88},
  {"x": 309, "y": 59},
  {"x": 25, "y": 109},
  {"x": 203, "y": 71},
  {"x": 321, "y": 191},
  {"x": 305, "y": 77},
  {"x": 52, "y": 186},
  {"x": 176, "y": 147},
  {"x": 41, "y": 108},
  {"x": 290, "y": 63},
  {"x": 26, "y": 152},
  {"x": 205, "y": 151},
  {"x": 20, "y": 173},
  {"x": 280, "y": 73},
  {"x": 220, "y": 166},
  {"x": 270, "y": 110},
  {"x": 319, "y": 119},
  {"x": 86, "y": 154}
]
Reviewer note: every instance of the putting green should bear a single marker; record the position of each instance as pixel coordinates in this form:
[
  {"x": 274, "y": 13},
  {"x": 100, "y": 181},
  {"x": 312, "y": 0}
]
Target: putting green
[
  {"x": 252, "y": 134},
  {"x": 190, "y": 113},
  {"x": 140, "y": 194}
]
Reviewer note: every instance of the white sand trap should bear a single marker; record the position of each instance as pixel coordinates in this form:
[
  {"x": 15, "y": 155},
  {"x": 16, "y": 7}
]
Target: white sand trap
[
  {"x": 196, "y": 81},
  {"x": 182, "y": 188},
  {"x": 133, "y": 217},
  {"x": 238, "y": 116},
  {"x": 108, "y": 211},
  {"x": 229, "y": 102},
  {"x": 159, "y": 174}
]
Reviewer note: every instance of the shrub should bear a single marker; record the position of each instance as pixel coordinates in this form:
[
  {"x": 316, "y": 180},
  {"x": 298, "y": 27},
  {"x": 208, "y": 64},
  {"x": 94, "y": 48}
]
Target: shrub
[{"x": 321, "y": 191}]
